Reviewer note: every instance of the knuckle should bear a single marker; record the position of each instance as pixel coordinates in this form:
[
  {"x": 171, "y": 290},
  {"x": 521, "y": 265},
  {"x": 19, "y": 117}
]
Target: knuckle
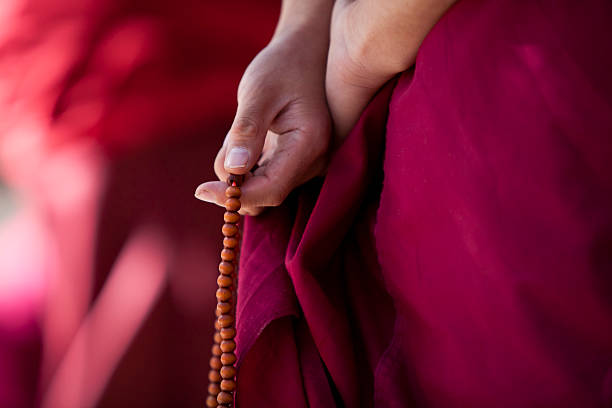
[{"x": 243, "y": 128}]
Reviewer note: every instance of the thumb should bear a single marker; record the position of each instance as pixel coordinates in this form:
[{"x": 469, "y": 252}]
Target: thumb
[{"x": 245, "y": 139}]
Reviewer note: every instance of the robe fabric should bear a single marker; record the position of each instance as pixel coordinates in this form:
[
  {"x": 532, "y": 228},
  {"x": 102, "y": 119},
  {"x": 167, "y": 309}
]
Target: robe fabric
[{"x": 458, "y": 253}]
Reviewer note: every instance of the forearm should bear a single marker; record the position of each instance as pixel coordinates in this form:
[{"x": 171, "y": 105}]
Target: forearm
[
  {"x": 372, "y": 40},
  {"x": 393, "y": 30}
]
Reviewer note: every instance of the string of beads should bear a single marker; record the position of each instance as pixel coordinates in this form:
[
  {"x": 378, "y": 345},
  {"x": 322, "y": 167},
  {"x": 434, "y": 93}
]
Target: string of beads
[{"x": 222, "y": 374}]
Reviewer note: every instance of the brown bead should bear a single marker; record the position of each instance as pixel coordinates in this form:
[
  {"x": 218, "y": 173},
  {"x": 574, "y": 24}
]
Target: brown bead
[
  {"x": 227, "y": 372},
  {"x": 215, "y": 362},
  {"x": 227, "y": 333},
  {"x": 216, "y": 350},
  {"x": 228, "y": 254},
  {"x": 228, "y": 346},
  {"x": 224, "y": 281},
  {"x": 223, "y": 295},
  {"x": 229, "y": 230},
  {"x": 228, "y": 358},
  {"x": 230, "y": 242},
  {"x": 228, "y": 385},
  {"x": 224, "y": 398},
  {"x": 214, "y": 389},
  {"x": 226, "y": 268},
  {"x": 211, "y": 401},
  {"x": 232, "y": 204},
  {"x": 233, "y": 191},
  {"x": 217, "y": 337},
  {"x": 225, "y": 320},
  {"x": 217, "y": 327},
  {"x": 231, "y": 217},
  {"x": 214, "y": 376},
  {"x": 224, "y": 307}
]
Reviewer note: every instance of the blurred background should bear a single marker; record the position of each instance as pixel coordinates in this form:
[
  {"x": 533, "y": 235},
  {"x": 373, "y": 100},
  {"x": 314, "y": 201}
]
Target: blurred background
[{"x": 111, "y": 112}]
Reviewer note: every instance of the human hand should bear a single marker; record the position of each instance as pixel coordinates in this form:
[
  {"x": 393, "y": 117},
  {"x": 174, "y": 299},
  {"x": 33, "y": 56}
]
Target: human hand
[
  {"x": 282, "y": 115},
  {"x": 371, "y": 41}
]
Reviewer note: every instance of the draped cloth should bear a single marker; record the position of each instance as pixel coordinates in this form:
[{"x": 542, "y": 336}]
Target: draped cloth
[{"x": 459, "y": 251}]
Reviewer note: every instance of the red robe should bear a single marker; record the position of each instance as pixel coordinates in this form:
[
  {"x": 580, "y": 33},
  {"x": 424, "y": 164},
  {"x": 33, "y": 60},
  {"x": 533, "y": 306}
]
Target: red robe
[{"x": 459, "y": 251}]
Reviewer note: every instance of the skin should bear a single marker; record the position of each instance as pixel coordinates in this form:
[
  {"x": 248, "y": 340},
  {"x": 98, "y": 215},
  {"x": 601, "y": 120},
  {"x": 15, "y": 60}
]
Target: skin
[{"x": 325, "y": 62}]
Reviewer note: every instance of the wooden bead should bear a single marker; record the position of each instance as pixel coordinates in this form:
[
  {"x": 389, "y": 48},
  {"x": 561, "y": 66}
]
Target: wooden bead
[
  {"x": 228, "y": 346},
  {"x": 226, "y": 268},
  {"x": 228, "y": 358},
  {"x": 214, "y": 376},
  {"x": 228, "y": 254},
  {"x": 231, "y": 217},
  {"x": 227, "y": 372},
  {"x": 228, "y": 385},
  {"x": 224, "y": 398},
  {"x": 225, "y": 320},
  {"x": 223, "y": 349},
  {"x": 224, "y": 307},
  {"x": 224, "y": 281},
  {"x": 223, "y": 295},
  {"x": 230, "y": 242},
  {"x": 211, "y": 402},
  {"x": 233, "y": 191},
  {"x": 232, "y": 204},
  {"x": 227, "y": 333},
  {"x": 215, "y": 363},
  {"x": 214, "y": 388},
  {"x": 229, "y": 230}
]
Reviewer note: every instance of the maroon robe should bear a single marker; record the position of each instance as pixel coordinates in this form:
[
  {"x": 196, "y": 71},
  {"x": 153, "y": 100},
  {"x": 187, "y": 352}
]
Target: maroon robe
[{"x": 459, "y": 251}]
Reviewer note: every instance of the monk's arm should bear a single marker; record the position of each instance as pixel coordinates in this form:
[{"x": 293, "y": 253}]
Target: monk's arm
[
  {"x": 371, "y": 41},
  {"x": 282, "y": 123}
]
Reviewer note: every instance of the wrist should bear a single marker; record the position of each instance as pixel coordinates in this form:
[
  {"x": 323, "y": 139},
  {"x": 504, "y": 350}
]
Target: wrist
[
  {"x": 310, "y": 19},
  {"x": 388, "y": 35}
]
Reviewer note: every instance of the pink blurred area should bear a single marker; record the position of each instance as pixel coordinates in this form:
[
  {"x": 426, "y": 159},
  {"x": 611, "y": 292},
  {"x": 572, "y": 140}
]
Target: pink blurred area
[{"x": 111, "y": 112}]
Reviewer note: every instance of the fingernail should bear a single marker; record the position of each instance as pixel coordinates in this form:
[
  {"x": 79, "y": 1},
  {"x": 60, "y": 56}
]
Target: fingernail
[
  {"x": 204, "y": 195},
  {"x": 237, "y": 158}
]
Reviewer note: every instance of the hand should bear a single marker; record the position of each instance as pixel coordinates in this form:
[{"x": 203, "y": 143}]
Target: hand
[
  {"x": 371, "y": 41},
  {"x": 282, "y": 124}
]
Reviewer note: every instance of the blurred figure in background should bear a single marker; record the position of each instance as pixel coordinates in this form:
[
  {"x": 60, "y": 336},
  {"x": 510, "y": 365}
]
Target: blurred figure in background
[{"x": 110, "y": 112}]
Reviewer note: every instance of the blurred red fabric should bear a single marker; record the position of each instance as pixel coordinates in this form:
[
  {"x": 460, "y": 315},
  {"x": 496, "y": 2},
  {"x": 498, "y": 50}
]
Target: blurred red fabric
[{"x": 111, "y": 114}]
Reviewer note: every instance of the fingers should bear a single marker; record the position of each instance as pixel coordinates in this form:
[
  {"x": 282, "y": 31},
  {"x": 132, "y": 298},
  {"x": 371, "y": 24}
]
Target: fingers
[
  {"x": 245, "y": 139},
  {"x": 295, "y": 160},
  {"x": 214, "y": 192}
]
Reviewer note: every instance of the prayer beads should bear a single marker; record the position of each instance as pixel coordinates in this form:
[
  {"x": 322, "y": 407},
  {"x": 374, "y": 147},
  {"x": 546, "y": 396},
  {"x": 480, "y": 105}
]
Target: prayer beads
[{"x": 222, "y": 383}]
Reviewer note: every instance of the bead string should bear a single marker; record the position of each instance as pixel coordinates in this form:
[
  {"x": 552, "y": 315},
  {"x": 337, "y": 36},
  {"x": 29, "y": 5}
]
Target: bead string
[{"x": 222, "y": 374}]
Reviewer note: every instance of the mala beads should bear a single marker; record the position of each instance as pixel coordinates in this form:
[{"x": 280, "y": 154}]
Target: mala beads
[{"x": 222, "y": 374}]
